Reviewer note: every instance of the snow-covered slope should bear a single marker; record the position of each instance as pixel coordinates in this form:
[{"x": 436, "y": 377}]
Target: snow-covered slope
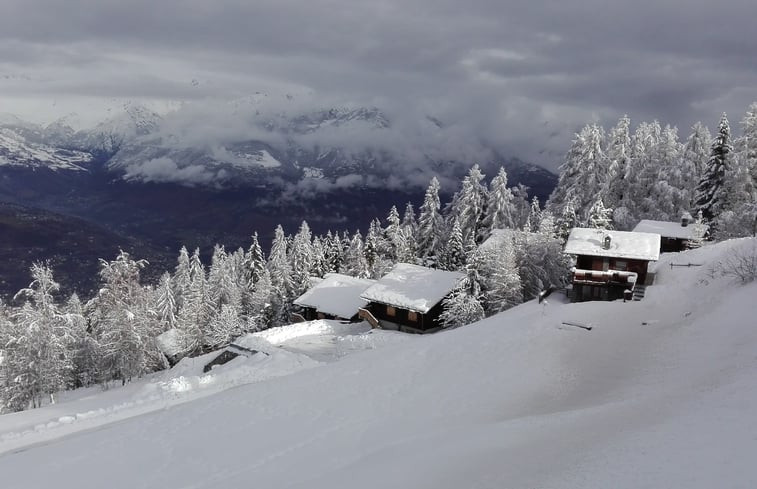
[
  {"x": 18, "y": 150},
  {"x": 660, "y": 393}
]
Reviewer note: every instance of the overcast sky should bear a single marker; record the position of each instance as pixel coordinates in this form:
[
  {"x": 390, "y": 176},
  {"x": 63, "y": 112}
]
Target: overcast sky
[{"x": 523, "y": 75}]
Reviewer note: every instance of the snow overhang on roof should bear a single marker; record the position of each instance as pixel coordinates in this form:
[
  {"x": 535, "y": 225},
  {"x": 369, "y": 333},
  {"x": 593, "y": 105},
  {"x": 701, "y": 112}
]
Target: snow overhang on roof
[
  {"x": 413, "y": 287},
  {"x": 337, "y": 295},
  {"x": 673, "y": 230},
  {"x": 623, "y": 244}
]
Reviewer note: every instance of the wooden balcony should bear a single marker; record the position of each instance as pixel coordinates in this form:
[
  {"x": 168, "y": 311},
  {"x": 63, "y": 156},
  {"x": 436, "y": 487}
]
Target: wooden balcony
[{"x": 609, "y": 277}]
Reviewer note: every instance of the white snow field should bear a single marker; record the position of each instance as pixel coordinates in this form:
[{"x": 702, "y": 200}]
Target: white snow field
[{"x": 661, "y": 393}]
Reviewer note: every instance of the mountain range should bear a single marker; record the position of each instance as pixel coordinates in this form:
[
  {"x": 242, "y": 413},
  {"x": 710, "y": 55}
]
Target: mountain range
[{"x": 200, "y": 176}]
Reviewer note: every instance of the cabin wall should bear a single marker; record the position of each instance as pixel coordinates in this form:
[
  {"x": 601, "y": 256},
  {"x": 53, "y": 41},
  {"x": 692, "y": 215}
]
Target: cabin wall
[
  {"x": 403, "y": 317},
  {"x": 670, "y": 245}
]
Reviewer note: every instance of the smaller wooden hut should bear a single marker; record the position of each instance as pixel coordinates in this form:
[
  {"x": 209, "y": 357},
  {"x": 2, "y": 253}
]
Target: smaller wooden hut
[
  {"x": 675, "y": 236},
  {"x": 337, "y": 296},
  {"x": 245, "y": 346},
  {"x": 409, "y": 298}
]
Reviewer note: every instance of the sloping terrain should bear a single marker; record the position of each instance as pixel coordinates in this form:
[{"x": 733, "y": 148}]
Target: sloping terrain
[
  {"x": 659, "y": 393},
  {"x": 71, "y": 246}
]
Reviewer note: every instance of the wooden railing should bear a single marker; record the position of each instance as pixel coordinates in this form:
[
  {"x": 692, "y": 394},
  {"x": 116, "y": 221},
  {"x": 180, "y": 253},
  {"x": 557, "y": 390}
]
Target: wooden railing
[
  {"x": 366, "y": 316},
  {"x": 620, "y": 277}
]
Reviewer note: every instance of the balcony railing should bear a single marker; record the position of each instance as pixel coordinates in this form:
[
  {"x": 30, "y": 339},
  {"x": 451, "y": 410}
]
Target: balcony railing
[{"x": 609, "y": 277}]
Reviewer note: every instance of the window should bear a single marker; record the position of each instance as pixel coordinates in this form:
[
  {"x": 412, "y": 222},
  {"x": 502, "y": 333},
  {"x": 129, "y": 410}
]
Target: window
[
  {"x": 412, "y": 316},
  {"x": 390, "y": 311},
  {"x": 621, "y": 265}
]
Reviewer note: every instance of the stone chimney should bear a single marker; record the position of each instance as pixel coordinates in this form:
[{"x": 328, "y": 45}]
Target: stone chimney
[
  {"x": 607, "y": 242},
  {"x": 686, "y": 219}
]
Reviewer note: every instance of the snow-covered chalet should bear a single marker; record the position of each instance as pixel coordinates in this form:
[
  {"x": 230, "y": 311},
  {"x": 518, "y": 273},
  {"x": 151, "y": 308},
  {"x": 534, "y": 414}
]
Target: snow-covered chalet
[
  {"x": 610, "y": 265},
  {"x": 409, "y": 298},
  {"x": 337, "y": 296},
  {"x": 675, "y": 236}
]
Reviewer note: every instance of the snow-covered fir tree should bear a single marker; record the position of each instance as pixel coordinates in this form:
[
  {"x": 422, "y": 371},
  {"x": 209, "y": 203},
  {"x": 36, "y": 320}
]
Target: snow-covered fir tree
[
  {"x": 600, "y": 217},
  {"x": 463, "y": 305},
  {"x": 454, "y": 251},
  {"x": 468, "y": 205},
  {"x": 711, "y": 191},
  {"x": 584, "y": 173},
  {"x": 301, "y": 259},
  {"x": 431, "y": 225},
  {"x": 500, "y": 210}
]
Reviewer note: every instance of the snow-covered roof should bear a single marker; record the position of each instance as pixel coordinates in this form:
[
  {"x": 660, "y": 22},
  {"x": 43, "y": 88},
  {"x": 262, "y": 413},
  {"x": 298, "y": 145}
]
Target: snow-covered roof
[
  {"x": 169, "y": 342},
  {"x": 623, "y": 244},
  {"x": 413, "y": 287},
  {"x": 669, "y": 229},
  {"x": 337, "y": 295}
]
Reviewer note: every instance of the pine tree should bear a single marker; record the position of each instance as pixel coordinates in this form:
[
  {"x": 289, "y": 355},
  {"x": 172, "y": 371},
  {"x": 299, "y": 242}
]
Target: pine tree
[
  {"x": 499, "y": 209},
  {"x": 696, "y": 152},
  {"x": 618, "y": 153},
  {"x": 600, "y": 217},
  {"x": 408, "y": 219},
  {"x": 334, "y": 253},
  {"x": 281, "y": 278},
  {"x": 431, "y": 224},
  {"x": 166, "y": 301},
  {"x": 121, "y": 321},
  {"x": 392, "y": 233},
  {"x": 500, "y": 281},
  {"x": 584, "y": 173},
  {"x": 541, "y": 263},
  {"x": 468, "y": 206},
  {"x": 455, "y": 253},
  {"x": 668, "y": 199},
  {"x": 223, "y": 328},
  {"x": 255, "y": 260},
  {"x": 375, "y": 248},
  {"x": 301, "y": 258},
  {"x": 182, "y": 276},
  {"x": 85, "y": 351},
  {"x": 534, "y": 216},
  {"x": 38, "y": 362},
  {"x": 710, "y": 193},
  {"x": 463, "y": 306},
  {"x": 262, "y": 313},
  {"x": 355, "y": 263},
  {"x": 641, "y": 175},
  {"x": 566, "y": 221},
  {"x": 748, "y": 146}
]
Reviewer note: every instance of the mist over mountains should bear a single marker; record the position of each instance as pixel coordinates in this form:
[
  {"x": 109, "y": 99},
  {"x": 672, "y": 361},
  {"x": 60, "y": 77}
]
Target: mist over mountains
[{"x": 216, "y": 172}]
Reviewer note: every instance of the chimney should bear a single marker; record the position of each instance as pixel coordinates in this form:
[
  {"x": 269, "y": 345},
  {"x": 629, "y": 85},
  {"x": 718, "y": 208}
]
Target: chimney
[
  {"x": 685, "y": 219},
  {"x": 608, "y": 242}
]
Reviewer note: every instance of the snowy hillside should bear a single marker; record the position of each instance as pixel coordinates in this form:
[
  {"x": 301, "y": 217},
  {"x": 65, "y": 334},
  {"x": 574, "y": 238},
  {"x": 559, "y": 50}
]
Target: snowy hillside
[
  {"x": 659, "y": 393},
  {"x": 18, "y": 150}
]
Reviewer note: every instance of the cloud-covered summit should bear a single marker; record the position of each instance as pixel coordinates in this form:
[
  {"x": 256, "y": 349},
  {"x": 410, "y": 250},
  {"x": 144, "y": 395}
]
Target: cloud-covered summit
[{"x": 521, "y": 76}]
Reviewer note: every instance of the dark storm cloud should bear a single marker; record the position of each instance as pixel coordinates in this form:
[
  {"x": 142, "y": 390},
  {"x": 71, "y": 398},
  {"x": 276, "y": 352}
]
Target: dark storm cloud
[{"x": 519, "y": 75}]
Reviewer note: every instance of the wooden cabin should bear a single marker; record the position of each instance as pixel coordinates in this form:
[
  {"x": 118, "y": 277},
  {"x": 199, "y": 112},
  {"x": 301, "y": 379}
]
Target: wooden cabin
[
  {"x": 337, "y": 297},
  {"x": 244, "y": 346},
  {"x": 409, "y": 298},
  {"x": 675, "y": 236},
  {"x": 610, "y": 265}
]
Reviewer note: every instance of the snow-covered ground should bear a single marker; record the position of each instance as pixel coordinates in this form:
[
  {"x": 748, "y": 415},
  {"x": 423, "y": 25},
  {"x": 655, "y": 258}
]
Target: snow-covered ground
[
  {"x": 288, "y": 349},
  {"x": 660, "y": 393}
]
